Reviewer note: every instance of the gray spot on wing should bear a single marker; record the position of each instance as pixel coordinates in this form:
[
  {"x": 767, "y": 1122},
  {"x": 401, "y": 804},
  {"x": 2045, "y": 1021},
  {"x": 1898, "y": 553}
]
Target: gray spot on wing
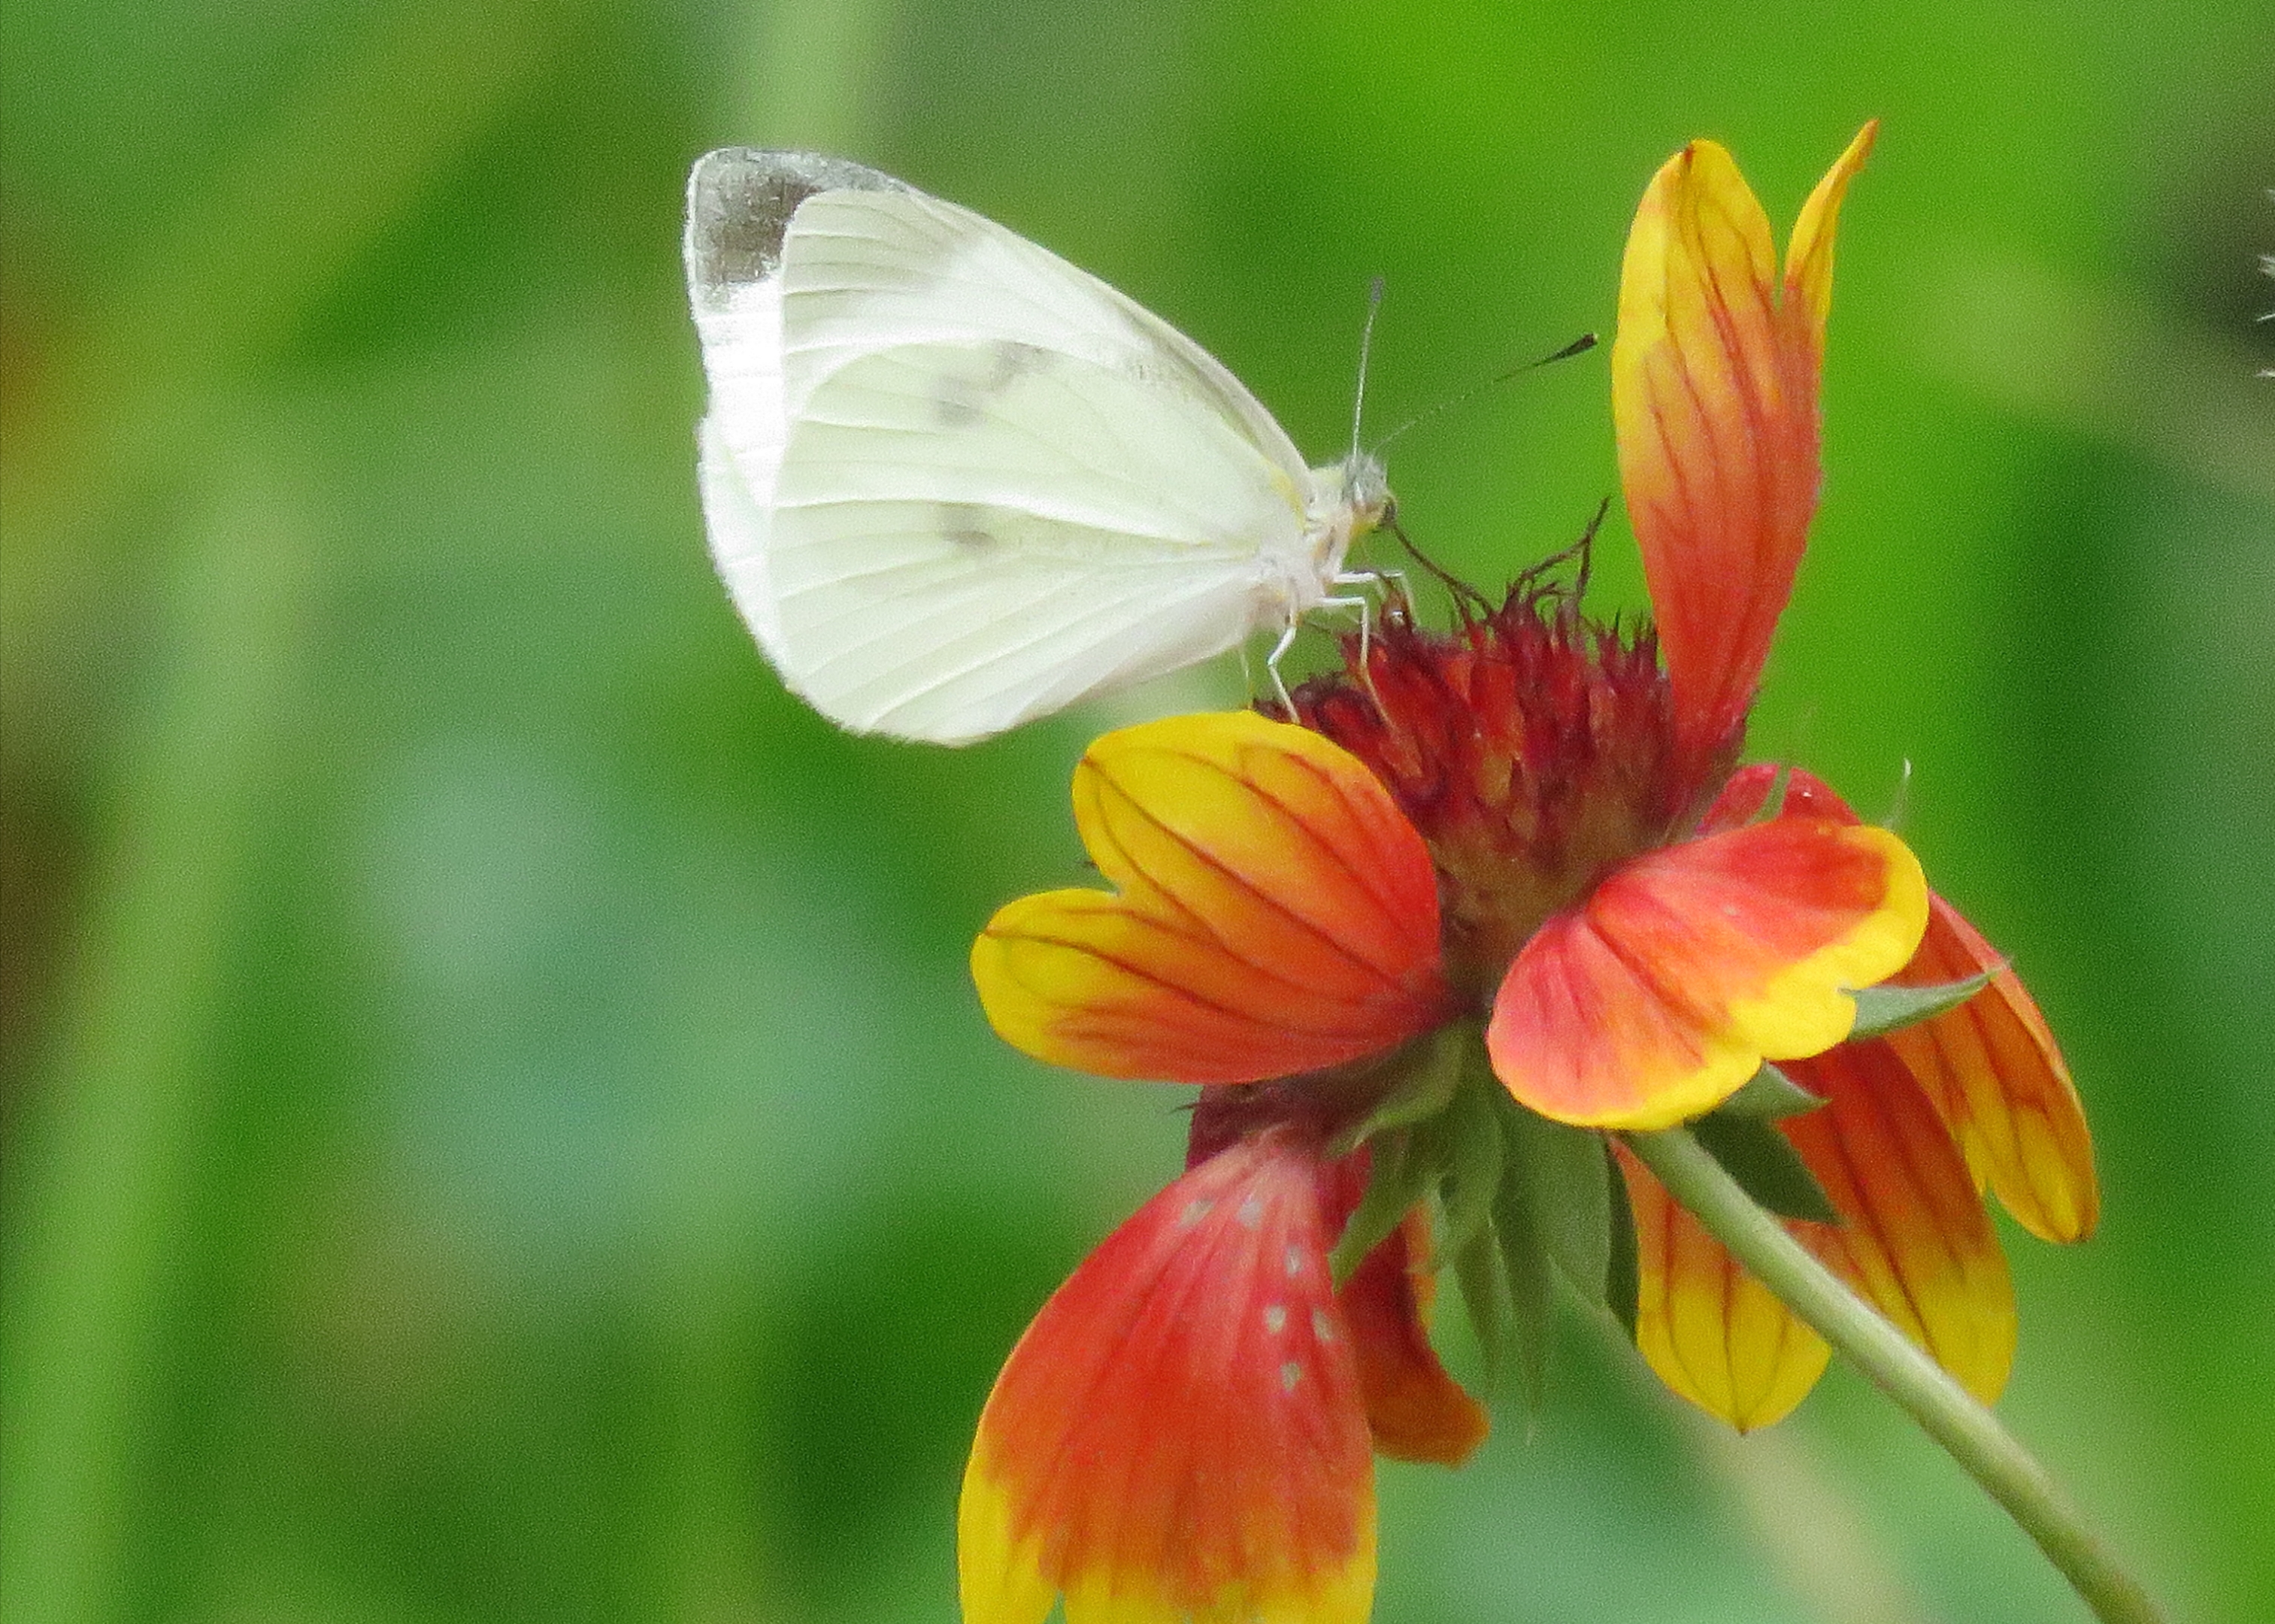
[
  {"x": 966, "y": 524},
  {"x": 739, "y": 204},
  {"x": 963, "y": 396},
  {"x": 975, "y": 531},
  {"x": 1009, "y": 360}
]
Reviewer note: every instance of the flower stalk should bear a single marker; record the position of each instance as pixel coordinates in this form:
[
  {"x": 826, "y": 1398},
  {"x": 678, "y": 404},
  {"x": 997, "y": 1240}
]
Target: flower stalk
[{"x": 1966, "y": 1429}]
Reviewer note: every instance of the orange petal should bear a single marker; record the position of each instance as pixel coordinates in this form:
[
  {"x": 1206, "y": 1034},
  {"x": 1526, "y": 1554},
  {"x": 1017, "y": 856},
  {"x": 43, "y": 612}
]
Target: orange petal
[
  {"x": 1416, "y": 1410},
  {"x": 1994, "y": 1072},
  {"x": 1914, "y": 1239},
  {"x": 1276, "y": 913},
  {"x": 1714, "y": 384},
  {"x": 1661, "y": 994},
  {"x": 1991, "y": 1066},
  {"x": 1180, "y": 1435},
  {"x": 1714, "y": 1334}
]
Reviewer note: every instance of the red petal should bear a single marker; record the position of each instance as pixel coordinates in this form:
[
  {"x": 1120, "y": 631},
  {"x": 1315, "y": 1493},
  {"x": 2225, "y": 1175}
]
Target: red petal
[
  {"x": 1416, "y": 1410},
  {"x": 1686, "y": 968},
  {"x": 1806, "y": 795},
  {"x": 1180, "y": 1433}
]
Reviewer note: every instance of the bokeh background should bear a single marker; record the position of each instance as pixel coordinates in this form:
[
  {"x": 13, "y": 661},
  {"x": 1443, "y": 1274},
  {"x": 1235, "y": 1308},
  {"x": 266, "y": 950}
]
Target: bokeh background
[{"x": 495, "y": 1124}]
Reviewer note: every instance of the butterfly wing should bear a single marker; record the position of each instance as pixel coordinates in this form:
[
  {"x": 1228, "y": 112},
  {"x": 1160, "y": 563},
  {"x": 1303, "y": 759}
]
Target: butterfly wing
[
  {"x": 954, "y": 482},
  {"x": 739, "y": 204}
]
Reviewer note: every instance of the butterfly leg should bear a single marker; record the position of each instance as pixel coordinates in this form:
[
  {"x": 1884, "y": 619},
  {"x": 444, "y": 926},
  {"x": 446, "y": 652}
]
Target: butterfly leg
[
  {"x": 1365, "y": 608},
  {"x": 1390, "y": 585},
  {"x": 1376, "y": 579},
  {"x": 1272, "y": 667}
]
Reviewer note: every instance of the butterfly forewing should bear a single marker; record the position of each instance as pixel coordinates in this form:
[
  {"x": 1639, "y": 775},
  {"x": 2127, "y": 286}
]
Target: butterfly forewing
[
  {"x": 954, "y": 482},
  {"x": 739, "y": 206},
  {"x": 869, "y": 269}
]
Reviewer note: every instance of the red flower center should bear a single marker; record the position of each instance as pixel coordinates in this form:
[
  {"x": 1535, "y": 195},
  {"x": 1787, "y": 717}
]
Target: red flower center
[{"x": 1532, "y": 748}]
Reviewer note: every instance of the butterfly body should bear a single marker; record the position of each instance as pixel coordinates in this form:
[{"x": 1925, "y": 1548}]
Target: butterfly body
[{"x": 952, "y": 482}]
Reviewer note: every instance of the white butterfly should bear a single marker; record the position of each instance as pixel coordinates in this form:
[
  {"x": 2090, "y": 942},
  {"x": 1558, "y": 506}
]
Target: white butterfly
[{"x": 953, "y": 483}]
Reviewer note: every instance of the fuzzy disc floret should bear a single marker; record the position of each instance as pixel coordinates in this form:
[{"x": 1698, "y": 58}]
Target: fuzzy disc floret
[{"x": 1533, "y": 749}]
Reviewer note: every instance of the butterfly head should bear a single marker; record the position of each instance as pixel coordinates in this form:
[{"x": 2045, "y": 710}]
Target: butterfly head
[
  {"x": 1354, "y": 495},
  {"x": 1366, "y": 490},
  {"x": 1348, "y": 500}
]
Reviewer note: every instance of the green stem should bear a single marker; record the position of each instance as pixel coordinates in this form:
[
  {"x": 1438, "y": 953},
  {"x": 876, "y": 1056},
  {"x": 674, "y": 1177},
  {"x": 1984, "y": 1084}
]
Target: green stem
[{"x": 1950, "y": 1415}]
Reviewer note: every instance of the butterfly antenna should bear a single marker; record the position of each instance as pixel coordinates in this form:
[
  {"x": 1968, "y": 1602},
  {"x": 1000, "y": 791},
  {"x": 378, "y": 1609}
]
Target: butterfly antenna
[
  {"x": 1365, "y": 349},
  {"x": 1581, "y": 345}
]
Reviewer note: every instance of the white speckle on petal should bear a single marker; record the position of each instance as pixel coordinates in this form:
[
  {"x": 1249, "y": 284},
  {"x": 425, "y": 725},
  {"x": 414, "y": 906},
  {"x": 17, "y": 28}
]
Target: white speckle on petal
[
  {"x": 1295, "y": 1261},
  {"x": 1323, "y": 1325},
  {"x": 1275, "y": 1317},
  {"x": 1251, "y": 1212},
  {"x": 1290, "y": 1374},
  {"x": 1195, "y": 1210}
]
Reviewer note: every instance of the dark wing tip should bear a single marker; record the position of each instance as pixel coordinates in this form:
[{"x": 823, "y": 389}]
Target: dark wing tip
[{"x": 739, "y": 204}]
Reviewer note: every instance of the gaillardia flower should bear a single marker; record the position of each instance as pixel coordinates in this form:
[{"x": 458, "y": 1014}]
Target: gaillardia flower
[{"x": 1503, "y": 888}]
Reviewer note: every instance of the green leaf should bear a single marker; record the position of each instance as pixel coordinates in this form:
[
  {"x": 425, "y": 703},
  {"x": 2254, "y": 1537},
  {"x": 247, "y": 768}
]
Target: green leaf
[
  {"x": 1484, "y": 1293},
  {"x": 1558, "y": 1173},
  {"x": 1399, "y": 1175},
  {"x": 1884, "y": 1009},
  {"x": 1769, "y": 1095},
  {"x": 1434, "y": 1072},
  {"x": 1468, "y": 1140},
  {"x": 1766, "y": 1167},
  {"x": 1623, "y": 1274},
  {"x": 1528, "y": 1282}
]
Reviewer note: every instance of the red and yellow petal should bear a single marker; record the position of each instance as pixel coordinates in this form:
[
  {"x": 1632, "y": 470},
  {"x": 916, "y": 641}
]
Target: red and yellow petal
[
  {"x": 1275, "y": 913},
  {"x": 1996, "y": 1075},
  {"x": 1714, "y": 398},
  {"x": 1180, "y": 1435},
  {"x": 1914, "y": 1240},
  {"x": 1991, "y": 1066},
  {"x": 1714, "y": 1334},
  {"x": 1415, "y": 1410},
  {"x": 1659, "y": 996}
]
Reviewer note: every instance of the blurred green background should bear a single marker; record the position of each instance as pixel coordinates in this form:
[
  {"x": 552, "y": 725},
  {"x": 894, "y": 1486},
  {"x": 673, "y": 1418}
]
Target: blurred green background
[{"x": 495, "y": 1124}]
